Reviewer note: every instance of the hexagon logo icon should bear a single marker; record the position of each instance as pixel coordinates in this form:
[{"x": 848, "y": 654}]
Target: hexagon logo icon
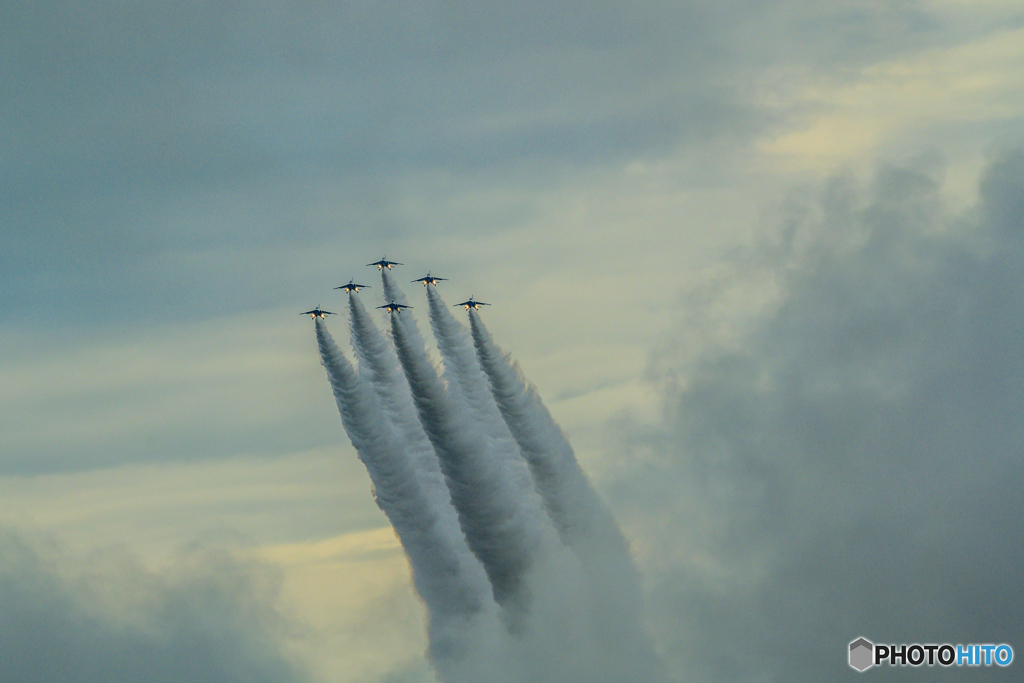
[{"x": 861, "y": 654}]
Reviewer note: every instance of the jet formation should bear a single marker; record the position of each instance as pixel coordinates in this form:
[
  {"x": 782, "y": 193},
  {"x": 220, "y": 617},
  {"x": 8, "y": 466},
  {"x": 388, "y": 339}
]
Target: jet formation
[
  {"x": 487, "y": 499},
  {"x": 392, "y": 306}
]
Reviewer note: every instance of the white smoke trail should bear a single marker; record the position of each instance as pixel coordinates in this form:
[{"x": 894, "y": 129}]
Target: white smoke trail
[
  {"x": 582, "y": 520},
  {"x": 497, "y": 528},
  {"x": 578, "y": 514},
  {"x": 461, "y": 366},
  {"x": 391, "y": 290},
  {"x": 387, "y": 378},
  {"x": 394, "y": 293},
  {"x": 378, "y": 362},
  {"x": 465, "y": 377},
  {"x": 440, "y": 575}
]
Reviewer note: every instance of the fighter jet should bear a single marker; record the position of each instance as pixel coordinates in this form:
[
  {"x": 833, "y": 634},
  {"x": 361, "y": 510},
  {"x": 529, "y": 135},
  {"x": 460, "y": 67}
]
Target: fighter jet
[
  {"x": 469, "y": 303},
  {"x": 351, "y": 287},
  {"x": 394, "y": 308},
  {"x": 430, "y": 280},
  {"x": 384, "y": 263},
  {"x": 318, "y": 313}
]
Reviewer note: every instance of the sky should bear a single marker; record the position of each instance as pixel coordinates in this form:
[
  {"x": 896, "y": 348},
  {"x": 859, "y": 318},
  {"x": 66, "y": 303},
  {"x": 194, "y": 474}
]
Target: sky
[{"x": 761, "y": 260}]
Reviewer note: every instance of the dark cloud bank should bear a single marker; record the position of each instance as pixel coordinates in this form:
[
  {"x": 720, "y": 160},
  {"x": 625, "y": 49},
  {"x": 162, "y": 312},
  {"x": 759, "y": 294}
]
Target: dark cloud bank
[
  {"x": 853, "y": 466},
  {"x": 151, "y": 153},
  {"x": 208, "y": 619}
]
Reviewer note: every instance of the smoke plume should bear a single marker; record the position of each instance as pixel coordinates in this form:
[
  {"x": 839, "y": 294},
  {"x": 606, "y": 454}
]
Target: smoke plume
[
  {"x": 583, "y": 522},
  {"x": 524, "y": 574},
  {"x": 439, "y": 572}
]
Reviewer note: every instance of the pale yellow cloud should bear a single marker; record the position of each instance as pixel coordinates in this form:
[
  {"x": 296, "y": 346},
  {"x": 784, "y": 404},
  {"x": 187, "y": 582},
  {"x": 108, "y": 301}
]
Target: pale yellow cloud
[
  {"x": 856, "y": 119},
  {"x": 370, "y": 545},
  {"x": 354, "y": 591},
  {"x": 157, "y": 507}
]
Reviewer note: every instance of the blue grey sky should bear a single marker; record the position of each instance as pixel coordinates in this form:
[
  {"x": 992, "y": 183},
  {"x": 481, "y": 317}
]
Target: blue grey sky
[{"x": 750, "y": 254}]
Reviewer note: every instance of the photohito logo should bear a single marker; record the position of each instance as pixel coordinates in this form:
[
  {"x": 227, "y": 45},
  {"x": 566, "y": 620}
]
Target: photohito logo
[
  {"x": 864, "y": 654},
  {"x": 861, "y": 654}
]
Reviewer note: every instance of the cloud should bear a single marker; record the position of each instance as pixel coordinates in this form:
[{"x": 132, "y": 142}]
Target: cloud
[
  {"x": 136, "y": 136},
  {"x": 218, "y": 389},
  {"x": 208, "y": 618},
  {"x": 848, "y": 464},
  {"x": 903, "y": 103}
]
